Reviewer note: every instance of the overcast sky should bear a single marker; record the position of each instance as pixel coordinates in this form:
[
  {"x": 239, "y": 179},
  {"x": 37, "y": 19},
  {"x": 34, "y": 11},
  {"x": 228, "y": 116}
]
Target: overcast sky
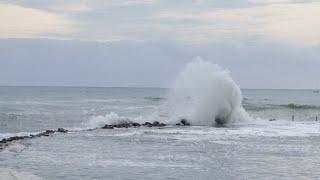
[{"x": 264, "y": 43}]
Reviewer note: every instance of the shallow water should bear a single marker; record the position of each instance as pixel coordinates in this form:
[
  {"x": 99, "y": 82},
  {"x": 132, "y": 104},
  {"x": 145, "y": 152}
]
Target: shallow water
[
  {"x": 257, "y": 149},
  {"x": 173, "y": 153}
]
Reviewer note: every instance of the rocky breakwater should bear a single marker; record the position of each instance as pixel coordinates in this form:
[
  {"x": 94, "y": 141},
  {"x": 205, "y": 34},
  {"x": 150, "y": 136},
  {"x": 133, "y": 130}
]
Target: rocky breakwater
[
  {"x": 6, "y": 141},
  {"x": 133, "y": 125}
]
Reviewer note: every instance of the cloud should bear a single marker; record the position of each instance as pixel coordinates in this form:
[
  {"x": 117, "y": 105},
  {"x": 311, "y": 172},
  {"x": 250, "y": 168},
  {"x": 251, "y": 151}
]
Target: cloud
[
  {"x": 21, "y": 22},
  {"x": 268, "y": 1},
  {"x": 130, "y": 2},
  {"x": 194, "y": 21},
  {"x": 70, "y": 7},
  {"x": 289, "y": 23}
]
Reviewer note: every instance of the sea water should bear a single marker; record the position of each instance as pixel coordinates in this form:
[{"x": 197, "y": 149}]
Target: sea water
[
  {"x": 263, "y": 149},
  {"x": 234, "y": 133}
]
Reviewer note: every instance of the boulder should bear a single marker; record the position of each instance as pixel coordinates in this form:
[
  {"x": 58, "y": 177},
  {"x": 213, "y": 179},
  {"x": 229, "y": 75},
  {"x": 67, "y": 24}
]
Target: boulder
[
  {"x": 136, "y": 124},
  {"x": 62, "y": 130},
  {"x": 184, "y": 122},
  {"x": 155, "y": 123},
  {"x": 147, "y": 124}
]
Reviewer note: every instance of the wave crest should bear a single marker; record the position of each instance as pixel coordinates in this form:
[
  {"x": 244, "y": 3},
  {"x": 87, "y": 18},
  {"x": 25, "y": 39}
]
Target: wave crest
[{"x": 300, "y": 106}]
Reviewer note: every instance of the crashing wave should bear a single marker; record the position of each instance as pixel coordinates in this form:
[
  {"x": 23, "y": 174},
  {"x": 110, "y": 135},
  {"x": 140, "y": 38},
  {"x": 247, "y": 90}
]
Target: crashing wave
[{"x": 205, "y": 94}]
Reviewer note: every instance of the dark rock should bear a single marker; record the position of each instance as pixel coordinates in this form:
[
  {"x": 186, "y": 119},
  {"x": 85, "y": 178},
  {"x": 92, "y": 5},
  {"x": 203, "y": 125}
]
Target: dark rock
[
  {"x": 136, "y": 124},
  {"x": 62, "y": 130},
  {"x": 127, "y": 125},
  {"x": 273, "y": 119},
  {"x": 184, "y": 122},
  {"x": 156, "y": 123},
  {"x": 147, "y": 124},
  {"x": 14, "y": 138},
  {"x": 3, "y": 141},
  {"x": 46, "y": 133},
  {"x": 121, "y": 125},
  {"x": 220, "y": 122},
  {"x": 107, "y": 126},
  {"x": 178, "y": 124}
]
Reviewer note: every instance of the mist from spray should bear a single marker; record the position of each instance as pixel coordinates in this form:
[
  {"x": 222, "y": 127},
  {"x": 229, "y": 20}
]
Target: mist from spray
[{"x": 205, "y": 94}]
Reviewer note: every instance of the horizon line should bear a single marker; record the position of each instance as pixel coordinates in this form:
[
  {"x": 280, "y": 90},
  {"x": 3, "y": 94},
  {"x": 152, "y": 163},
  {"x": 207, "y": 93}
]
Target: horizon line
[{"x": 147, "y": 87}]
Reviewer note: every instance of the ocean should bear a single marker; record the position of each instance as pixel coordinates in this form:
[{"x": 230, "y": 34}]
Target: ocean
[{"x": 280, "y": 140}]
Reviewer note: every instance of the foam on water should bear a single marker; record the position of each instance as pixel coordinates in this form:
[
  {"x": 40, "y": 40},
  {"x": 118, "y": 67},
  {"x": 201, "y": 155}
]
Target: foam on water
[{"x": 205, "y": 94}]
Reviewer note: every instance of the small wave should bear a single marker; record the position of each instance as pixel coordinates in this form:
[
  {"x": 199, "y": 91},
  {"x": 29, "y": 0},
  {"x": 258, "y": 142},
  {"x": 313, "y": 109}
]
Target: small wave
[
  {"x": 255, "y": 107},
  {"x": 264, "y": 107},
  {"x": 299, "y": 106}
]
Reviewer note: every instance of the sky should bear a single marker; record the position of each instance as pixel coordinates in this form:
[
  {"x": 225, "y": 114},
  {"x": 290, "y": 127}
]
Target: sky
[{"x": 144, "y": 43}]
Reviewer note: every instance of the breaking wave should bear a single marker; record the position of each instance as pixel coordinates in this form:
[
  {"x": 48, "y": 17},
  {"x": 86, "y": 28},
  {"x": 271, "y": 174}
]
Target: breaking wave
[
  {"x": 202, "y": 94},
  {"x": 205, "y": 94}
]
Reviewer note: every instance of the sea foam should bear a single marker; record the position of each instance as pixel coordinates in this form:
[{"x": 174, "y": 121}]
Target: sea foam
[{"x": 205, "y": 94}]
